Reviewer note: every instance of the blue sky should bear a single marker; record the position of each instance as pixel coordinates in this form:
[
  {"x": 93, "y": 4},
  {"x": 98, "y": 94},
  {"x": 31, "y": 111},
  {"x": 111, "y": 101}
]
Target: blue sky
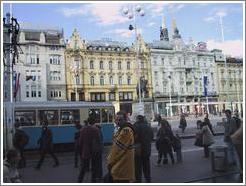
[{"x": 99, "y": 20}]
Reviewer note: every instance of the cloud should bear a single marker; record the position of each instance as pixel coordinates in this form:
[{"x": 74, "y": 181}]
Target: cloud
[
  {"x": 69, "y": 12},
  {"x": 230, "y": 47},
  {"x": 161, "y": 8},
  {"x": 125, "y": 33},
  {"x": 151, "y": 23},
  {"x": 221, "y": 13},
  {"x": 209, "y": 19}
]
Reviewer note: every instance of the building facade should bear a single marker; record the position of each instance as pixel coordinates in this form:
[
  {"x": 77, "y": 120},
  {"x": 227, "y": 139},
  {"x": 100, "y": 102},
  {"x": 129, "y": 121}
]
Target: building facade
[
  {"x": 105, "y": 70},
  {"x": 230, "y": 81},
  {"x": 183, "y": 75},
  {"x": 40, "y": 70}
]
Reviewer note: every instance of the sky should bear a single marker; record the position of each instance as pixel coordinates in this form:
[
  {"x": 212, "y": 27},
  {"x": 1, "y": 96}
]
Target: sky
[{"x": 95, "y": 20}]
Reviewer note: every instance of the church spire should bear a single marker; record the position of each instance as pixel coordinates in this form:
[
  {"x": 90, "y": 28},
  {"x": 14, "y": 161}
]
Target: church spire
[
  {"x": 175, "y": 31},
  {"x": 164, "y": 31}
]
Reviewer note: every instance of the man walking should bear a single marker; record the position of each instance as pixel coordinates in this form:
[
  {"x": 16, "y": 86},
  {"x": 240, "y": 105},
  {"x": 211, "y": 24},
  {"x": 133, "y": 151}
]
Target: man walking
[
  {"x": 230, "y": 128},
  {"x": 120, "y": 161},
  {"x": 90, "y": 147},
  {"x": 144, "y": 137},
  {"x": 46, "y": 146}
]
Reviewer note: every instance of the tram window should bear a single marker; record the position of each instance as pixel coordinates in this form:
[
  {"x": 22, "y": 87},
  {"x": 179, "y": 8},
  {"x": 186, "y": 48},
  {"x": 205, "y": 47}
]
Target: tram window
[
  {"x": 95, "y": 113},
  {"x": 110, "y": 115},
  {"x": 70, "y": 117},
  {"x": 104, "y": 115},
  {"x": 26, "y": 118},
  {"x": 48, "y": 116}
]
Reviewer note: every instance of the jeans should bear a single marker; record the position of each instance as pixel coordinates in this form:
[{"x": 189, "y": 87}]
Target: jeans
[
  {"x": 142, "y": 163},
  {"x": 231, "y": 153}
]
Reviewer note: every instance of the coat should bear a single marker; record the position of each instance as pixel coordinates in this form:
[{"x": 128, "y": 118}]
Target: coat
[
  {"x": 182, "y": 123},
  {"x": 230, "y": 128},
  {"x": 46, "y": 140},
  {"x": 10, "y": 173},
  {"x": 89, "y": 141},
  {"x": 120, "y": 160},
  {"x": 164, "y": 140},
  {"x": 207, "y": 136},
  {"x": 143, "y": 139}
]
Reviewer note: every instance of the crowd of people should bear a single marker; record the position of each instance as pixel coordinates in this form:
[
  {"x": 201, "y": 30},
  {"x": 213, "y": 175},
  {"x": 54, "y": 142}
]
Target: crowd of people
[{"x": 130, "y": 153}]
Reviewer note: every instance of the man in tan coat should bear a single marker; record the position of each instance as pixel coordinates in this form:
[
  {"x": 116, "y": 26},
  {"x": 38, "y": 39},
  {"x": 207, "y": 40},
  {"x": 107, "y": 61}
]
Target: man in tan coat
[{"x": 120, "y": 161}]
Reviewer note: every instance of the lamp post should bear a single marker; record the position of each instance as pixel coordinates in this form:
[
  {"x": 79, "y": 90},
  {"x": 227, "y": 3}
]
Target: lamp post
[
  {"x": 132, "y": 13},
  {"x": 170, "y": 96},
  {"x": 226, "y": 74}
]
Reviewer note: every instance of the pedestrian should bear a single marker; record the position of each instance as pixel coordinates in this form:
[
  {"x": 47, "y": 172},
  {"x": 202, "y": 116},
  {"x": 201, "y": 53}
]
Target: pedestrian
[
  {"x": 144, "y": 137},
  {"x": 76, "y": 144},
  {"x": 182, "y": 123},
  {"x": 237, "y": 140},
  {"x": 99, "y": 154},
  {"x": 208, "y": 123},
  {"x": 177, "y": 148},
  {"x": 46, "y": 146},
  {"x": 207, "y": 138},
  {"x": 120, "y": 161},
  {"x": 89, "y": 145},
  {"x": 20, "y": 140},
  {"x": 164, "y": 139},
  {"x": 230, "y": 128},
  {"x": 10, "y": 172},
  {"x": 237, "y": 119}
]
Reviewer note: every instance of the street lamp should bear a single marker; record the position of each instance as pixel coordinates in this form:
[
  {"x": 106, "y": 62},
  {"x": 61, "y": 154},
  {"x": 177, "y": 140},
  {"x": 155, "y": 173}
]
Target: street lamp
[
  {"x": 170, "y": 96},
  {"x": 135, "y": 10}
]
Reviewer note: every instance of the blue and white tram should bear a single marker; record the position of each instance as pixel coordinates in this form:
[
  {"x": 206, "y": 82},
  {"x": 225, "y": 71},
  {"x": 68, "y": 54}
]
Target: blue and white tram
[{"x": 61, "y": 117}]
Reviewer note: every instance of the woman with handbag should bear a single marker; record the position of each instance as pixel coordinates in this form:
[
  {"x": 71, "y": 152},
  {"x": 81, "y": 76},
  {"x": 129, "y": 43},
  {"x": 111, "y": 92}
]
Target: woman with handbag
[{"x": 207, "y": 138}]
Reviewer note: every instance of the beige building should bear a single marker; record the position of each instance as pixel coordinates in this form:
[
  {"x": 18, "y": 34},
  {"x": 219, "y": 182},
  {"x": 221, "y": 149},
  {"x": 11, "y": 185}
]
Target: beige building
[
  {"x": 105, "y": 70},
  {"x": 230, "y": 81}
]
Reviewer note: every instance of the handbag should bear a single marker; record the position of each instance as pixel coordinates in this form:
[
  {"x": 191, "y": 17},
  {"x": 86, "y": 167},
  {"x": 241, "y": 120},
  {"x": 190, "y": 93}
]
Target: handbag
[
  {"x": 199, "y": 140},
  {"x": 108, "y": 178}
]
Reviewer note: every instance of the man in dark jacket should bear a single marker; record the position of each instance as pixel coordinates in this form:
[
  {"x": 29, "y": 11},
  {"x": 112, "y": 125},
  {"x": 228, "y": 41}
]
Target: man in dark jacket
[
  {"x": 90, "y": 147},
  {"x": 46, "y": 146},
  {"x": 144, "y": 137},
  {"x": 208, "y": 123}
]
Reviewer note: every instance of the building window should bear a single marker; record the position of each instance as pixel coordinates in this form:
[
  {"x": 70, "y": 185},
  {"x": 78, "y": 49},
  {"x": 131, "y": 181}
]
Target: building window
[
  {"x": 112, "y": 96},
  {"x": 99, "y": 96},
  {"x": 39, "y": 93},
  {"x": 92, "y": 80},
  {"x": 110, "y": 65},
  {"x": 101, "y": 80},
  {"x": 111, "y": 80},
  {"x": 125, "y": 96},
  {"x": 163, "y": 61},
  {"x": 128, "y": 65},
  {"x": 142, "y": 64},
  {"x": 59, "y": 93},
  {"x": 101, "y": 64},
  {"x": 77, "y": 79},
  {"x": 129, "y": 80},
  {"x": 34, "y": 93},
  {"x": 37, "y": 59},
  {"x": 120, "y": 80},
  {"x": 119, "y": 65},
  {"x": 91, "y": 65},
  {"x": 27, "y": 94}
]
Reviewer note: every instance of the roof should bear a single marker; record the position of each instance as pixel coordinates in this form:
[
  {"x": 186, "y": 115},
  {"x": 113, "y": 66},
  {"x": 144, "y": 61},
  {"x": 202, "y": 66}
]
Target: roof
[{"x": 163, "y": 44}]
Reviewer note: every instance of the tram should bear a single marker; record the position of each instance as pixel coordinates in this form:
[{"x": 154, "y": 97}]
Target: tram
[{"x": 61, "y": 118}]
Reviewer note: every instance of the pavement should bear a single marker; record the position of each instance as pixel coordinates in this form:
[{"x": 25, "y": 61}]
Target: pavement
[{"x": 194, "y": 168}]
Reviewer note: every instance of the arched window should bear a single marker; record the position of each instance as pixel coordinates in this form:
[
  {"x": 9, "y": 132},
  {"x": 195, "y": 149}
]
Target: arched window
[
  {"x": 119, "y": 65},
  {"x": 91, "y": 64},
  {"x": 77, "y": 79},
  {"x": 120, "y": 80},
  {"x": 128, "y": 65},
  {"x": 101, "y": 80},
  {"x": 129, "y": 80},
  {"x": 92, "y": 80},
  {"x": 111, "y": 81},
  {"x": 110, "y": 65},
  {"x": 101, "y": 65}
]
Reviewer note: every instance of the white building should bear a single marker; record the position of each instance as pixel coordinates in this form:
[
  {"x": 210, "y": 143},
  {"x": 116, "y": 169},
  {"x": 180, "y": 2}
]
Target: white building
[
  {"x": 41, "y": 66},
  {"x": 179, "y": 74}
]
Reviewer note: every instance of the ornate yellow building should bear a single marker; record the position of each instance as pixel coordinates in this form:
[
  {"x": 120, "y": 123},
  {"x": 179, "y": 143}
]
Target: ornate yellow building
[{"x": 106, "y": 70}]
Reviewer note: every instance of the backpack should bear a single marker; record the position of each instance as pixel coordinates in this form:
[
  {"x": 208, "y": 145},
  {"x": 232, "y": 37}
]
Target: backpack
[{"x": 238, "y": 122}]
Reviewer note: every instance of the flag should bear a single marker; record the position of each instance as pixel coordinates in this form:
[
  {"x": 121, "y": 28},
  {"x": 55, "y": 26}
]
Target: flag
[
  {"x": 28, "y": 78},
  {"x": 205, "y": 81},
  {"x": 17, "y": 85}
]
